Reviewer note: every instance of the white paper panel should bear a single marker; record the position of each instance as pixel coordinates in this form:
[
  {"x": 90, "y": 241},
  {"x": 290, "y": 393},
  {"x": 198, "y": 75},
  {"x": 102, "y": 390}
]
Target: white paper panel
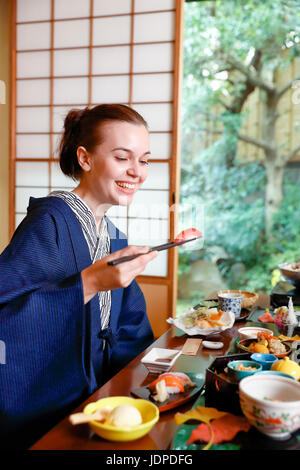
[
  {"x": 161, "y": 145},
  {"x": 114, "y": 89},
  {"x": 23, "y": 195},
  {"x": 158, "y": 266},
  {"x": 150, "y": 204},
  {"x": 27, "y": 35},
  {"x": 33, "y": 10},
  {"x": 154, "y": 5},
  {"x": 33, "y": 119},
  {"x": 71, "y": 62},
  {"x": 154, "y": 27},
  {"x": 120, "y": 223},
  {"x": 158, "y": 176},
  {"x": 117, "y": 211},
  {"x": 148, "y": 232},
  {"x": 33, "y": 64},
  {"x": 114, "y": 7},
  {"x": 70, "y": 90},
  {"x": 111, "y": 59},
  {"x": 158, "y": 116},
  {"x": 58, "y": 179},
  {"x": 115, "y": 30},
  {"x": 72, "y": 33},
  {"x": 32, "y": 174},
  {"x": 154, "y": 87},
  {"x": 18, "y": 219},
  {"x": 33, "y": 146},
  {"x": 33, "y": 92},
  {"x": 71, "y": 8},
  {"x": 153, "y": 57},
  {"x": 59, "y": 115}
]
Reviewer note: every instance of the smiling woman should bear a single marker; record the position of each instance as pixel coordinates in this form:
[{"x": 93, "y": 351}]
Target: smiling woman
[{"x": 85, "y": 318}]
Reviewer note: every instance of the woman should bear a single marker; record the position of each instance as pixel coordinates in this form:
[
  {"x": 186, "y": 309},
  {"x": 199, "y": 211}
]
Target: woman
[{"x": 68, "y": 319}]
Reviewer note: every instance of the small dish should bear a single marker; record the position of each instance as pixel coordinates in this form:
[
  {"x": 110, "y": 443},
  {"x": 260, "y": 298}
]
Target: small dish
[
  {"x": 244, "y": 345},
  {"x": 176, "y": 399},
  {"x": 237, "y": 375},
  {"x": 160, "y": 359},
  {"x": 266, "y": 360},
  {"x": 148, "y": 410},
  {"x": 250, "y": 332}
]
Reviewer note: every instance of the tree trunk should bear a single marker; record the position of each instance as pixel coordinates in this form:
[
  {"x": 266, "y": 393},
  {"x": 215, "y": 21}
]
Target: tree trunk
[{"x": 274, "y": 192}]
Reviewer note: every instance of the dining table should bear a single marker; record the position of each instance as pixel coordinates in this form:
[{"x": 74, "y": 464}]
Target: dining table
[{"x": 66, "y": 437}]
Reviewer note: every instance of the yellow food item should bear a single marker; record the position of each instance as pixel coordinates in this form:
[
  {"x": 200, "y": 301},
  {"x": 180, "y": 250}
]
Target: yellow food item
[
  {"x": 125, "y": 416},
  {"x": 287, "y": 366},
  {"x": 260, "y": 348}
]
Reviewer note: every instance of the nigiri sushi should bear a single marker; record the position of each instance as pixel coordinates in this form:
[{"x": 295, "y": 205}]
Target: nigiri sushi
[{"x": 175, "y": 382}]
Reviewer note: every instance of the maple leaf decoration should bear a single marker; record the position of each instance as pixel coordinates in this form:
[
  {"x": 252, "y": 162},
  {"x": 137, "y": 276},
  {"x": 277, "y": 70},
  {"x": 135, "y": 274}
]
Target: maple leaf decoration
[{"x": 224, "y": 426}]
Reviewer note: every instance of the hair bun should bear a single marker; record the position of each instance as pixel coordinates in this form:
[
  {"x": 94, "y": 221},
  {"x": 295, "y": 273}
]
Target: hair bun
[{"x": 73, "y": 119}]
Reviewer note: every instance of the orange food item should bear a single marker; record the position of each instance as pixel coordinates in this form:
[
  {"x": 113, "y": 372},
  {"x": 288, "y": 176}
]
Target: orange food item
[
  {"x": 260, "y": 348},
  {"x": 216, "y": 316},
  {"x": 170, "y": 381}
]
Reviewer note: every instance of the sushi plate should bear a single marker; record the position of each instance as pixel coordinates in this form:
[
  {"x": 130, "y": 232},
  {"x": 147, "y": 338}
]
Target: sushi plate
[{"x": 176, "y": 399}]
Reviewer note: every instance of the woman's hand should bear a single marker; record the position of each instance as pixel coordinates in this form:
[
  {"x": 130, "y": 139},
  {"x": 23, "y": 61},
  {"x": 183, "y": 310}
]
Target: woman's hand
[{"x": 100, "y": 276}]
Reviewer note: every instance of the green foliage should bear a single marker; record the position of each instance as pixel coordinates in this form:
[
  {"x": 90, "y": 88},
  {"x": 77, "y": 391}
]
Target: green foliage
[{"x": 232, "y": 190}]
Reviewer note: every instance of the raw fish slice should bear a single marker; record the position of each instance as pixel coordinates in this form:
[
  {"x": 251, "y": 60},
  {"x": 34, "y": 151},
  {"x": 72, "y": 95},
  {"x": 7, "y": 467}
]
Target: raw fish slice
[
  {"x": 188, "y": 234},
  {"x": 184, "y": 378},
  {"x": 266, "y": 318},
  {"x": 173, "y": 383}
]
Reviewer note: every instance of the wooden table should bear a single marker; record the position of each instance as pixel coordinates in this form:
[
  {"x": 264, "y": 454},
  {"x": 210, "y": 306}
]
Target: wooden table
[{"x": 64, "y": 436}]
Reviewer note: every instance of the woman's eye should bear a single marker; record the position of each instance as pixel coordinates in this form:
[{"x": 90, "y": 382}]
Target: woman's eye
[
  {"x": 144, "y": 162},
  {"x": 121, "y": 158}
]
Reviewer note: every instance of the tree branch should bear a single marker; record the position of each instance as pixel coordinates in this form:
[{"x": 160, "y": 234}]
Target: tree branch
[
  {"x": 249, "y": 140},
  {"x": 286, "y": 87},
  {"x": 253, "y": 78},
  {"x": 291, "y": 154}
]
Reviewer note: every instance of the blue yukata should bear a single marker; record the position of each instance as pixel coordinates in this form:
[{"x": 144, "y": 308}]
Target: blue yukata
[{"x": 54, "y": 344}]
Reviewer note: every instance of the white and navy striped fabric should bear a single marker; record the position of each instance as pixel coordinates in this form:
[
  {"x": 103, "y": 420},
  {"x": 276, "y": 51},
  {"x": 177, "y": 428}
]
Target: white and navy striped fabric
[{"x": 98, "y": 243}]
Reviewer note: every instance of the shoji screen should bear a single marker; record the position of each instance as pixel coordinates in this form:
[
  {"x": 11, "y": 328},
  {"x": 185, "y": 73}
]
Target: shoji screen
[{"x": 74, "y": 53}]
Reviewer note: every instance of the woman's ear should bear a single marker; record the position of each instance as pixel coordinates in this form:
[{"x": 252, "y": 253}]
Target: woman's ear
[{"x": 84, "y": 158}]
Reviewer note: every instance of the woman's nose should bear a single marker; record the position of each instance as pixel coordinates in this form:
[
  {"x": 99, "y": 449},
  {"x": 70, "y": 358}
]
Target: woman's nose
[{"x": 134, "y": 170}]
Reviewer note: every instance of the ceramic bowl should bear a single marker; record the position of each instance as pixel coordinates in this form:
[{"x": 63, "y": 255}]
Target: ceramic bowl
[
  {"x": 238, "y": 375},
  {"x": 248, "y": 298},
  {"x": 275, "y": 372},
  {"x": 244, "y": 345},
  {"x": 148, "y": 410},
  {"x": 250, "y": 332},
  {"x": 290, "y": 274},
  {"x": 230, "y": 302},
  {"x": 271, "y": 404},
  {"x": 160, "y": 359},
  {"x": 266, "y": 360}
]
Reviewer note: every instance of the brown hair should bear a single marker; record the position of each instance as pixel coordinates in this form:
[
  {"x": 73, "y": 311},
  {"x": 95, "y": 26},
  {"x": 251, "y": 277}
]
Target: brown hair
[{"x": 81, "y": 127}]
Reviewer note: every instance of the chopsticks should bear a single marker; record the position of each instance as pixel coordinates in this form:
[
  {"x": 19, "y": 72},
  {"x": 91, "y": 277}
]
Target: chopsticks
[{"x": 165, "y": 246}]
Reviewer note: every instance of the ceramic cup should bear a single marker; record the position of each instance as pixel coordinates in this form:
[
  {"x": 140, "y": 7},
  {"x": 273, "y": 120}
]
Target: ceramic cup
[{"x": 231, "y": 302}]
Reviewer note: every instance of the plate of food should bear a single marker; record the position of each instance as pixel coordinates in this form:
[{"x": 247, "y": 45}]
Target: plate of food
[
  {"x": 203, "y": 321},
  {"x": 266, "y": 344},
  {"x": 171, "y": 389},
  {"x": 291, "y": 271}
]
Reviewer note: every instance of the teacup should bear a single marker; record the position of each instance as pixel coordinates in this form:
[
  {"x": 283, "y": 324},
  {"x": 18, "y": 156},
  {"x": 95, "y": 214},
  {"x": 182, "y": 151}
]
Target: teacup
[{"x": 231, "y": 302}]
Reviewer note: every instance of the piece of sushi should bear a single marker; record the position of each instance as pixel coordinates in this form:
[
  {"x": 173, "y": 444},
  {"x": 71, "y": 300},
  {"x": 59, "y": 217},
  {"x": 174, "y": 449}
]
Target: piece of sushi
[{"x": 173, "y": 384}]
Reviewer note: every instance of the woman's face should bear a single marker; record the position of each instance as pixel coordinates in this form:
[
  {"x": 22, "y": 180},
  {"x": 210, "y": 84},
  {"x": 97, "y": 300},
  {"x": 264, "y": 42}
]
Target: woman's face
[{"x": 117, "y": 167}]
